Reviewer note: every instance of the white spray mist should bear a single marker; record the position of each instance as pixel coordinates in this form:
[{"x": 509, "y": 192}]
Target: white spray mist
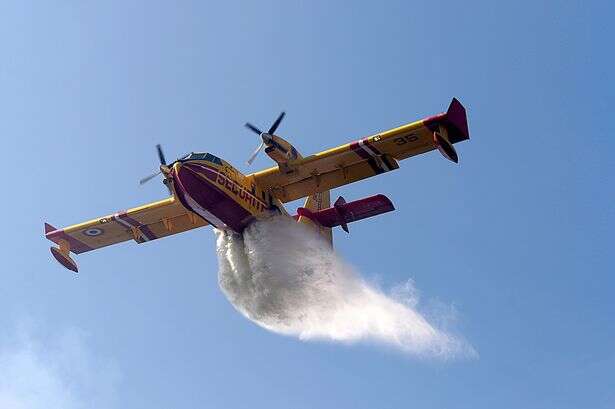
[{"x": 285, "y": 278}]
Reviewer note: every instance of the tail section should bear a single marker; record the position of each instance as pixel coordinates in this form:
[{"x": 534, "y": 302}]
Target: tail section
[
  {"x": 343, "y": 213},
  {"x": 314, "y": 204},
  {"x": 340, "y": 210}
]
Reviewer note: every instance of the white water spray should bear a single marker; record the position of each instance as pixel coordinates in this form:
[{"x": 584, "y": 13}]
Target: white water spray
[{"x": 285, "y": 278}]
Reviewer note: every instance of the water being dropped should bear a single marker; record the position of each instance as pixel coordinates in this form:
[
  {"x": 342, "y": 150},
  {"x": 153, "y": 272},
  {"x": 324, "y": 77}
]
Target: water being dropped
[{"x": 284, "y": 277}]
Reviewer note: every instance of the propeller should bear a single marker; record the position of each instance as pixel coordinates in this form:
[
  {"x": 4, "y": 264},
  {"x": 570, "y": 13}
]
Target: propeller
[
  {"x": 256, "y": 152},
  {"x": 265, "y": 136},
  {"x": 163, "y": 162}
]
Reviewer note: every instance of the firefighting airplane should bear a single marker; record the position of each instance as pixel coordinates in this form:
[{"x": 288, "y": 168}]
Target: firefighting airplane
[{"x": 206, "y": 190}]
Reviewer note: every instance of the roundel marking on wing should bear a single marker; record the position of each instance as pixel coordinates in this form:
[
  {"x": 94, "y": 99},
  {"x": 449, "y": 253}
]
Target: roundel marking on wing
[{"x": 93, "y": 232}]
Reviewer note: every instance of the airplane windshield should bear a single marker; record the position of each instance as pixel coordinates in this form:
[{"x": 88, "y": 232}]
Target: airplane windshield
[{"x": 204, "y": 156}]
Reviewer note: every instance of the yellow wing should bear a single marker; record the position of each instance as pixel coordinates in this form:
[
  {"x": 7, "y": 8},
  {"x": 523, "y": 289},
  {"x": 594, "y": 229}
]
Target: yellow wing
[
  {"x": 145, "y": 223},
  {"x": 367, "y": 157}
]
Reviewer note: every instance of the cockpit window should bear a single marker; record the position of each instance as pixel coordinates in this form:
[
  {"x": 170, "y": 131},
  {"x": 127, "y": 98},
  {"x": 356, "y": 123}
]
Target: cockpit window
[
  {"x": 205, "y": 156},
  {"x": 196, "y": 156}
]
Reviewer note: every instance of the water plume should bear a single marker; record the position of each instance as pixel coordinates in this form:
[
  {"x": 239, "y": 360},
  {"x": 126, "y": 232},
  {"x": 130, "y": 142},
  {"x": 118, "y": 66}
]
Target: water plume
[{"x": 285, "y": 278}]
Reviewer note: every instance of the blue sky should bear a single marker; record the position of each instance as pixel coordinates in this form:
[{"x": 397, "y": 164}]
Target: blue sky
[{"x": 517, "y": 239}]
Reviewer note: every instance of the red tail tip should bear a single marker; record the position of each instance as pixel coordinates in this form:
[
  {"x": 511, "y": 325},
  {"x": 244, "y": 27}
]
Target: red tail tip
[
  {"x": 339, "y": 202},
  {"x": 456, "y": 116}
]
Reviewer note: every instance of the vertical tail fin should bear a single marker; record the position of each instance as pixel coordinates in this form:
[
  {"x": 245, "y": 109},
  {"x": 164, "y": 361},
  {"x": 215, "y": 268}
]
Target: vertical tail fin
[
  {"x": 315, "y": 203},
  {"x": 341, "y": 213}
]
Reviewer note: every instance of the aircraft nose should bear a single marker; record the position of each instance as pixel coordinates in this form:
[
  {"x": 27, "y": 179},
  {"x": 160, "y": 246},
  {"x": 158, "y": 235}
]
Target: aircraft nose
[{"x": 172, "y": 172}]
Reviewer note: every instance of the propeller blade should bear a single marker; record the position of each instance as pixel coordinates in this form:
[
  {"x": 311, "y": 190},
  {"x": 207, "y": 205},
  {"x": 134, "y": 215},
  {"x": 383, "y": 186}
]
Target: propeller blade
[
  {"x": 276, "y": 123},
  {"x": 261, "y": 146},
  {"x": 253, "y": 128},
  {"x": 150, "y": 177},
  {"x": 163, "y": 161}
]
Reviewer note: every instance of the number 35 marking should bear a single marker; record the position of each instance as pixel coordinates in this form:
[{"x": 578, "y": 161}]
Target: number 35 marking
[{"x": 402, "y": 140}]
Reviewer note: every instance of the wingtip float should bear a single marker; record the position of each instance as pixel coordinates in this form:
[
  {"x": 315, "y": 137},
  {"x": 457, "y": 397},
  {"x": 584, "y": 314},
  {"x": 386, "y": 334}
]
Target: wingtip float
[
  {"x": 62, "y": 252},
  {"x": 208, "y": 190},
  {"x": 449, "y": 128}
]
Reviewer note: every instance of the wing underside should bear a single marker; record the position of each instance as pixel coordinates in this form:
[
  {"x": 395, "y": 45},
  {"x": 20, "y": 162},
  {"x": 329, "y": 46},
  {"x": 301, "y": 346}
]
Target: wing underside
[
  {"x": 141, "y": 224},
  {"x": 364, "y": 158}
]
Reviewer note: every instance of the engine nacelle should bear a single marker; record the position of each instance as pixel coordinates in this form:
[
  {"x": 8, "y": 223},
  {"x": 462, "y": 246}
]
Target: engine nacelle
[{"x": 282, "y": 152}]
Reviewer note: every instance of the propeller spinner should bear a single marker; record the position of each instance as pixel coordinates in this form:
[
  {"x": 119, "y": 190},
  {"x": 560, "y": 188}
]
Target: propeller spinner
[{"x": 265, "y": 136}]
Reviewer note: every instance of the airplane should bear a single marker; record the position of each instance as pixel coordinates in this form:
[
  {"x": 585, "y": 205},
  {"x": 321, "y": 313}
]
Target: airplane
[{"x": 206, "y": 190}]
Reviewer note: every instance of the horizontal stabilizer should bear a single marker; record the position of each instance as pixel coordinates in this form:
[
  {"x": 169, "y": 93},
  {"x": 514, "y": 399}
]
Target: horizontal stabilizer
[{"x": 343, "y": 213}]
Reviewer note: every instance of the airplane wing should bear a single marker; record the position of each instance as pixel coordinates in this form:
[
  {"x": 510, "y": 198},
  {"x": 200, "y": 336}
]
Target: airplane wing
[
  {"x": 141, "y": 224},
  {"x": 366, "y": 157}
]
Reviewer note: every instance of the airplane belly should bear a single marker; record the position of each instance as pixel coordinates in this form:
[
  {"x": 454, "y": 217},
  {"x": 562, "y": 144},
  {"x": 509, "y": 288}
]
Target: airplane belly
[{"x": 196, "y": 188}]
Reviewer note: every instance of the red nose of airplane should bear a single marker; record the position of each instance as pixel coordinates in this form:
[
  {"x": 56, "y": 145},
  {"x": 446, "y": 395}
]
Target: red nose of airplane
[{"x": 195, "y": 185}]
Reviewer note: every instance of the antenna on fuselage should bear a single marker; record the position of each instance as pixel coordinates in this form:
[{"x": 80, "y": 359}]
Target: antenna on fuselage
[{"x": 265, "y": 136}]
